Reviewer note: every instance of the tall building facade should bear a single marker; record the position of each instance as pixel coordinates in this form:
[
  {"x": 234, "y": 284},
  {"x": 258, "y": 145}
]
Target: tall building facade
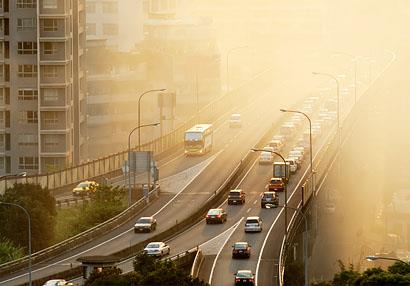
[
  {"x": 42, "y": 85},
  {"x": 114, "y": 30}
]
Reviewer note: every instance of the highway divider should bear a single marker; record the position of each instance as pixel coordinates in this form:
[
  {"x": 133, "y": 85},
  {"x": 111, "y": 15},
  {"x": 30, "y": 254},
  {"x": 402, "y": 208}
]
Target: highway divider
[
  {"x": 217, "y": 197},
  {"x": 326, "y": 158},
  {"x": 111, "y": 166}
]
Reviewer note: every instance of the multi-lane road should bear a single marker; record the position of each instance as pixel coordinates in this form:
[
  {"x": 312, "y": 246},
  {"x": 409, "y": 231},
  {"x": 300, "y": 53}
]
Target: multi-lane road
[
  {"x": 176, "y": 203},
  {"x": 230, "y": 146}
]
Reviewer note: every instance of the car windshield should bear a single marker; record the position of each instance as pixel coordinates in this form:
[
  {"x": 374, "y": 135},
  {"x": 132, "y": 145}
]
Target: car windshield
[
  {"x": 252, "y": 221},
  {"x": 214, "y": 212},
  {"x": 268, "y": 195},
  {"x": 193, "y": 136},
  {"x": 82, "y": 185},
  {"x": 235, "y": 116},
  {"x": 153, "y": 245},
  {"x": 244, "y": 274},
  {"x": 276, "y": 181},
  {"x": 144, "y": 220},
  {"x": 240, "y": 245},
  {"x": 234, "y": 194}
]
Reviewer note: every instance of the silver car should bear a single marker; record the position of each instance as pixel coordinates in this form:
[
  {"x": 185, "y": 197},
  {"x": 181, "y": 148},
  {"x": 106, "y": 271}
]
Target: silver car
[
  {"x": 157, "y": 249},
  {"x": 253, "y": 224}
]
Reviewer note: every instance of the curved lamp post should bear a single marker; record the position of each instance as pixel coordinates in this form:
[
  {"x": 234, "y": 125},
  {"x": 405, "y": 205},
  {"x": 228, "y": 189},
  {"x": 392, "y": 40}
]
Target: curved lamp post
[
  {"x": 286, "y": 191},
  {"x": 139, "y": 112},
  {"x": 310, "y": 136},
  {"x": 29, "y": 236},
  {"x": 377, "y": 257},
  {"x": 129, "y": 156}
]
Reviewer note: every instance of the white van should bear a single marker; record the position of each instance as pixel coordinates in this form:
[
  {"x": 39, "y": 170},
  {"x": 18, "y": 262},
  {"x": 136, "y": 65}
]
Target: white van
[
  {"x": 265, "y": 158},
  {"x": 235, "y": 120}
]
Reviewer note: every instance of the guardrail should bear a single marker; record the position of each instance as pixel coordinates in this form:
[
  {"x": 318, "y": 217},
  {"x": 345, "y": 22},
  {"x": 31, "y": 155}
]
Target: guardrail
[
  {"x": 183, "y": 225},
  {"x": 79, "y": 239},
  {"x": 110, "y": 166},
  {"x": 196, "y": 265}
]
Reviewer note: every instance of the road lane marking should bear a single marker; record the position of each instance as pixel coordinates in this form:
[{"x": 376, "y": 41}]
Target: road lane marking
[
  {"x": 248, "y": 210},
  {"x": 255, "y": 202},
  {"x": 189, "y": 182},
  {"x": 220, "y": 250}
]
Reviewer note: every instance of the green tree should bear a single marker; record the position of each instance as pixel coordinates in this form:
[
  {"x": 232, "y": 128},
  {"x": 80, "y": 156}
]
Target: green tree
[
  {"x": 41, "y": 206},
  {"x": 148, "y": 271},
  {"x": 397, "y": 274},
  {"x": 105, "y": 203},
  {"x": 8, "y": 251}
]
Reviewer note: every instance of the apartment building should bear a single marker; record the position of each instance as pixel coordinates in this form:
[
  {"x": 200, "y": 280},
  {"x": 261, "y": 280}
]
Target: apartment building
[
  {"x": 114, "y": 73},
  {"x": 42, "y": 85},
  {"x": 119, "y": 22}
]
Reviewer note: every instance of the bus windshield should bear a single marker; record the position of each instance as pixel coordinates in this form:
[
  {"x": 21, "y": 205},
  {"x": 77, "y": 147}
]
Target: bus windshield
[{"x": 193, "y": 136}]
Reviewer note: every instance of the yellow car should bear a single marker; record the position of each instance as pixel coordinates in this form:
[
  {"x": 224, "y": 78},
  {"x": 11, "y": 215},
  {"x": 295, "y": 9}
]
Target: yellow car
[{"x": 85, "y": 188}]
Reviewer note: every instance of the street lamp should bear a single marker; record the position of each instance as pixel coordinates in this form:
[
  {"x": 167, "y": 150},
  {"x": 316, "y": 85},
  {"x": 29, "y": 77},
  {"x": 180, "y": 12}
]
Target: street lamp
[
  {"x": 29, "y": 237},
  {"x": 22, "y": 174},
  {"x": 377, "y": 257},
  {"x": 338, "y": 100},
  {"x": 310, "y": 136},
  {"x": 227, "y": 63},
  {"x": 286, "y": 191},
  {"x": 139, "y": 112},
  {"x": 129, "y": 156}
]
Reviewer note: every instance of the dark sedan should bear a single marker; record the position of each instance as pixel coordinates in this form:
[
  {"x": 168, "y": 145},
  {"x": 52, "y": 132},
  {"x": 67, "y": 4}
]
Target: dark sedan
[
  {"x": 244, "y": 277},
  {"x": 216, "y": 216},
  {"x": 241, "y": 250}
]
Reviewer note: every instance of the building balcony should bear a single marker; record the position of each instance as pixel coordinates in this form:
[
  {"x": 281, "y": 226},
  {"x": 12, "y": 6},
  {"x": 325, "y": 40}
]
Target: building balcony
[
  {"x": 54, "y": 131},
  {"x": 54, "y": 153}
]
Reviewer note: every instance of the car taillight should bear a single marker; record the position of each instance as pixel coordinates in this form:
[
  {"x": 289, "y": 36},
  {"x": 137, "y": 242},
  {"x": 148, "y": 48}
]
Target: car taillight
[
  {"x": 207, "y": 216},
  {"x": 237, "y": 280},
  {"x": 251, "y": 280},
  {"x": 219, "y": 215}
]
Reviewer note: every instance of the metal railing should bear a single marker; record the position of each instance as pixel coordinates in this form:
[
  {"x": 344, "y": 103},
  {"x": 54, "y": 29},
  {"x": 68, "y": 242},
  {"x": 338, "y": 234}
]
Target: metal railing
[
  {"x": 321, "y": 167},
  {"x": 111, "y": 165}
]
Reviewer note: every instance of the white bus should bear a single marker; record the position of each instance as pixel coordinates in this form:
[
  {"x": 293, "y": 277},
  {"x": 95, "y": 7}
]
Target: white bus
[{"x": 198, "y": 139}]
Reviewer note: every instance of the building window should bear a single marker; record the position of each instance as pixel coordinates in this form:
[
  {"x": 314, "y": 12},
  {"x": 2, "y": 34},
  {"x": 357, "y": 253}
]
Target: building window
[
  {"x": 27, "y": 139},
  {"x": 2, "y": 118},
  {"x": 110, "y": 7},
  {"x": 27, "y": 94},
  {"x": 27, "y": 48},
  {"x": 49, "y": 48},
  {"x": 91, "y": 7},
  {"x": 110, "y": 29},
  {"x": 2, "y": 163},
  {"x": 50, "y": 4},
  {"x": 50, "y": 25},
  {"x": 28, "y": 117},
  {"x": 26, "y": 3},
  {"x": 50, "y": 117},
  {"x": 51, "y": 142},
  {"x": 50, "y": 71},
  {"x": 25, "y": 24},
  {"x": 1, "y": 70},
  {"x": 29, "y": 163},
  {"x": 50, "y": 95},
  {"x": 27, "y": 70},
  {"x": 91, "y": 29}
]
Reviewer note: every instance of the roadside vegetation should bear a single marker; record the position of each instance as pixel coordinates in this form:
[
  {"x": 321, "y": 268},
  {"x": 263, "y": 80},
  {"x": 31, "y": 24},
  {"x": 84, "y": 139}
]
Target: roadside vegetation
[
  {"x": 396, "y": 274},
  {"x": 148, "y": 271},
  {"x": 48, "y": 224}
]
